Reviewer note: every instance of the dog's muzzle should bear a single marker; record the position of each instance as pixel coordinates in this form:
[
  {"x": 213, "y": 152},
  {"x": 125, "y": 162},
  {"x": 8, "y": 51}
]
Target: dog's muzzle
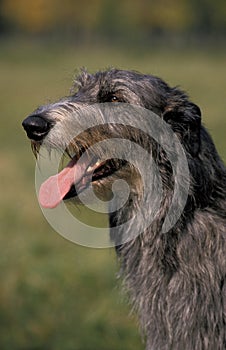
[{"x": 36, "y": 127}]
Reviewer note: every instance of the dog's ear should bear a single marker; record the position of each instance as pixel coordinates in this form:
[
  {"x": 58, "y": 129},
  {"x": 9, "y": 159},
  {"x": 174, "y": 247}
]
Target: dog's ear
[{"x": 185, "y": 121}]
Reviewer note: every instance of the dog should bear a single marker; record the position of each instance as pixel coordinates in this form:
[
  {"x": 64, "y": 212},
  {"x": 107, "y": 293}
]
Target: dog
[{"x": 176, "y": 279}]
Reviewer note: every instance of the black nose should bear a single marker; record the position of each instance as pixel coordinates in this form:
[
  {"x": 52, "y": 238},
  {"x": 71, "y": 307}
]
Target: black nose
[{"x": 36, "y": 127}]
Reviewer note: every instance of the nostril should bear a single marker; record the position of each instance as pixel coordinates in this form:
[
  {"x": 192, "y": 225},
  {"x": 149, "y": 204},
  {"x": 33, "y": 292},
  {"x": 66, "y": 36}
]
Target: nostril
[{"x": 36, "y": 127}]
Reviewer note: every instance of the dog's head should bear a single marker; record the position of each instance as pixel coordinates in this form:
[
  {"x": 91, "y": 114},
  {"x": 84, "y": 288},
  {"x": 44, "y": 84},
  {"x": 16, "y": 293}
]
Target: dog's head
[{"x": 50, "y": 122}]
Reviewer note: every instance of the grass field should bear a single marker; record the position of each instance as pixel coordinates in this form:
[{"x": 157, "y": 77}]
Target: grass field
[{"x": 54, "y": 294}]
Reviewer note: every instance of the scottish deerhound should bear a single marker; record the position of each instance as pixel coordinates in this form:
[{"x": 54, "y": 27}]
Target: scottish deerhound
[{"x": 176, "y": 279}]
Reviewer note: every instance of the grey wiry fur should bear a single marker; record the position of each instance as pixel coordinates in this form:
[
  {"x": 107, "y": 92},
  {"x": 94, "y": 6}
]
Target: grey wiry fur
[{"x": 176, "y": 279}]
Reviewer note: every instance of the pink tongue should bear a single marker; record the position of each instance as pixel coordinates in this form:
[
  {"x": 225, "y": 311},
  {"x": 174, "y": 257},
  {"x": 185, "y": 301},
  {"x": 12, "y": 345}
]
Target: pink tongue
[{"x": 53, "y": 190}]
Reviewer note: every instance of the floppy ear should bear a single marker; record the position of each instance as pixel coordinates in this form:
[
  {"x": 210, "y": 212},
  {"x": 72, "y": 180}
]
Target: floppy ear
[{"x": 185, "y": 121}]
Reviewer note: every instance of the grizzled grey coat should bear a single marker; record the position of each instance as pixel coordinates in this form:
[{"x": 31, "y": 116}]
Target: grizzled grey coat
[{"x": 177, "y": 279}]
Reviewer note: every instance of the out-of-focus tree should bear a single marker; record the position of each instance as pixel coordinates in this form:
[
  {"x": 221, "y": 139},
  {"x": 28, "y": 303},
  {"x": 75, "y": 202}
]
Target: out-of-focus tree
[
  {"x": 110, "y": 18},
  {"x": 31, "y": 16},
  {"x": 3, "y": 22},
  {"x": 145, "y": 17},
  {"x": 165, "y": 15},
  {"x": 46, "y": 15},
  {"x": 209, "y": 16},
  {"x": 79, "y": 19}
]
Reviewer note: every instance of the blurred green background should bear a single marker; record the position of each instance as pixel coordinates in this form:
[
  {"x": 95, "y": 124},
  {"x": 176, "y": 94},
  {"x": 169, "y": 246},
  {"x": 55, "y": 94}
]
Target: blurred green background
[{"x": 54, "y": 294}]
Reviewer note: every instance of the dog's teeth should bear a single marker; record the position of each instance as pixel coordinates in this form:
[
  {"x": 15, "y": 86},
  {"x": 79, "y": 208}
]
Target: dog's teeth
[{"x": 92, "y": 167}]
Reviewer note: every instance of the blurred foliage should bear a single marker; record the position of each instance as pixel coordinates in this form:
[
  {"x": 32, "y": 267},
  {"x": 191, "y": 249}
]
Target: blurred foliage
[{"x": 114, "y": 19}]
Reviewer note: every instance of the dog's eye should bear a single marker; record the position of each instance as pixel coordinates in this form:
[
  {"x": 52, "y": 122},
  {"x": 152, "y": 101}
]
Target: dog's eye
[{"x": 114, "y": 99}]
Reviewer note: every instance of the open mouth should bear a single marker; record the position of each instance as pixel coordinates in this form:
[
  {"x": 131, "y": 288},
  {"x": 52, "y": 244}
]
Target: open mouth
[
  {"x": 74, "y": 178},
  {"x": 98, "y": 171}
]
